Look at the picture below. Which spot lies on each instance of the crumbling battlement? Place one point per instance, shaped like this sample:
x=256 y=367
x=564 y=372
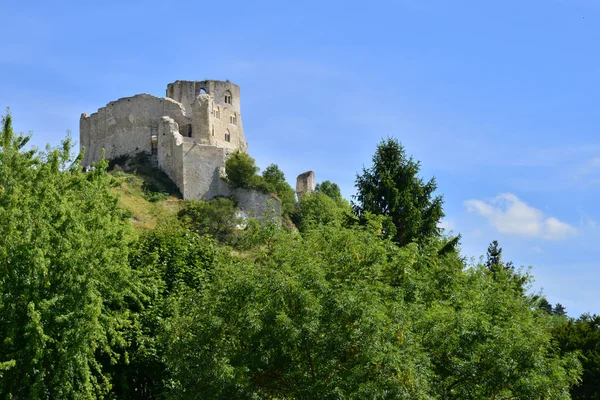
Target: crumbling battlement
x=190 y=133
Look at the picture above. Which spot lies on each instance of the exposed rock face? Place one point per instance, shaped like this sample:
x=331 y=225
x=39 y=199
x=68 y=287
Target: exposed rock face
x=305 y=183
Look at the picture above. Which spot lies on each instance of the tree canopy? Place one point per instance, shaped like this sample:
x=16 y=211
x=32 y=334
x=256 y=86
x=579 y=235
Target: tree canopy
x=393 y=188
x=92 y=308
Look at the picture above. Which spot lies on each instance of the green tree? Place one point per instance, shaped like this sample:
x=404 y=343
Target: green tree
x=316 y=209
x=545 y=306
x=583 y=336
x=330 y=189
x=65 y=286
x=170 y=258
x=392 y=187
x=241 y=170
x=559 y=310
x=494 y=257
x=275 y=182
x=309 y=317
x=217 y=217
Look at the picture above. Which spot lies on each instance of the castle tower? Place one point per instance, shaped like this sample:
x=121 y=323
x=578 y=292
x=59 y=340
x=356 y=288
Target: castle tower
x=215 y=107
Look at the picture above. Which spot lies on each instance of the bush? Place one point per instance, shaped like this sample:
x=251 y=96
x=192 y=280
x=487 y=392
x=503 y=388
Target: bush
x=241 y=171
x=217 y=217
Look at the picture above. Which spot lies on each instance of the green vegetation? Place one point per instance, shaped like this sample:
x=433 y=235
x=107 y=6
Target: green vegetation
x=392 y=187
x=242 y=172
x=362 y=303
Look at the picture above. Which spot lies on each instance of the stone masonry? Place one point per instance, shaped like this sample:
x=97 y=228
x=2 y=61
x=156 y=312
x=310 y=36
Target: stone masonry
x=190 y=133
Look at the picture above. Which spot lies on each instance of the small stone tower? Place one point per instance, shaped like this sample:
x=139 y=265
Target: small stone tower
x=305 y=183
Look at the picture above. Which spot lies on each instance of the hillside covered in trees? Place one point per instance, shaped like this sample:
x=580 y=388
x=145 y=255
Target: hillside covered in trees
x=109 y=288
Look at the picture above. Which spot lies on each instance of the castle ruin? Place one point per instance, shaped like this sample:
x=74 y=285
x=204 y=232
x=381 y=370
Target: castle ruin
x=189 y=134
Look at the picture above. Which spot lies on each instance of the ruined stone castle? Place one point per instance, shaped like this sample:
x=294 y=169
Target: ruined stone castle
x=189 y=134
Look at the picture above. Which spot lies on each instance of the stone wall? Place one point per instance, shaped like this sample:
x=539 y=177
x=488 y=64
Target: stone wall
x=170 y=151
x=126 y=126
x=256 y=204
x=305 y=183
x=219 y=124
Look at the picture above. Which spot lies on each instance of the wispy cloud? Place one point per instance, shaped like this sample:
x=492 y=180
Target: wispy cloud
x=508 y=214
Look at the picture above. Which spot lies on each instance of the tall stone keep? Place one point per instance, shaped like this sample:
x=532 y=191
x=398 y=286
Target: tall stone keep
x=305 y=183
x=189 y=134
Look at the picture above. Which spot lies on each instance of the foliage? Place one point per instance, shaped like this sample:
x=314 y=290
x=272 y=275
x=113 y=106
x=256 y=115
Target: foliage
x=217 y=217
x=485 y=340
x=241 y=171
x=494 y=264
x=316 y=209
x=167 y=258
x=330 y=189
x=274 y=180
x=88 y=309
x=392 y=187
x=340 y=313
x=307 y=319
x=583 y=335
x=67 y=296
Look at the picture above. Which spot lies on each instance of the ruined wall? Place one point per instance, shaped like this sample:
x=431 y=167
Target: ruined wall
x=305 y=183
x=202 y=165
x=126 y=126
x=256 y=204
x=225 y=120
x=201 y=124
x=170 y=150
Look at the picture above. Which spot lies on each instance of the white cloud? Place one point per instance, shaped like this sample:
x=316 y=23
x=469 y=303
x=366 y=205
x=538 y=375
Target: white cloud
x=512 y=216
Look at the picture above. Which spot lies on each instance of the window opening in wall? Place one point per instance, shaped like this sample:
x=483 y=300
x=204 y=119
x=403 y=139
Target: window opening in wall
x=227 y=97
x=213 y=130
x=218 y=112
x=202 y=91
x=189 y=130
x=233 y=119
x=227 y=136
x=154 y=142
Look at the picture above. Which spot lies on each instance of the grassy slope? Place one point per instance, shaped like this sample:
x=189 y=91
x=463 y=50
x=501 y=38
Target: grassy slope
x=146 y=192
x=144 y=214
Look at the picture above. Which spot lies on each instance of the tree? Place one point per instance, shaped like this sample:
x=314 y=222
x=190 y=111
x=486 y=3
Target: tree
x=217 y=217
x=545 y=306
x=305 y=320
x=316 y=209
x=560 y=310
x=329 y=189
x=494 y=257
x=275 y=182
x=392 y=187
x=65 y=286
x=241 y=170
x=583 y=336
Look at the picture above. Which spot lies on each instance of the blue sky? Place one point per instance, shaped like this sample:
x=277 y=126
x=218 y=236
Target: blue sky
x=498 y=99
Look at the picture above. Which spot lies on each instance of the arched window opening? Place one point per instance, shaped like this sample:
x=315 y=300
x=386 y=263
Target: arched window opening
x=154 y=143
x=227 y=136
x=228 y=97
x=233 y=119
x=202 y=91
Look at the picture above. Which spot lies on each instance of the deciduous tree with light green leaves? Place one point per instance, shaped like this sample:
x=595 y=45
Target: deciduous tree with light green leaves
x=65 y=286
